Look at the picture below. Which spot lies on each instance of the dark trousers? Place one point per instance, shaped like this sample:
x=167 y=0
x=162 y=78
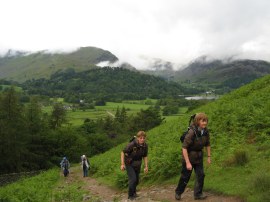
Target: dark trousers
x=85 y=172
x=65 y=172
x=185 y=176
x=133 y=179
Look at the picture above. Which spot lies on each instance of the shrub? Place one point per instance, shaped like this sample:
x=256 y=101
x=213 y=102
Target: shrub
x=122 y=180
x=239 y=158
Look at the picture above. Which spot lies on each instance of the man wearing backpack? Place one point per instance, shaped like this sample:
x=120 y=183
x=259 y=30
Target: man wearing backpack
x=85 y=165
x=131 y=160
x=194 y=141
x=65 y=166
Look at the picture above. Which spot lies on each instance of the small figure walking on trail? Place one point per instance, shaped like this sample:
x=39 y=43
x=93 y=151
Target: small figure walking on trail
x=65 y=166
x=195 y=140
x=85 y=165
x=131 y=160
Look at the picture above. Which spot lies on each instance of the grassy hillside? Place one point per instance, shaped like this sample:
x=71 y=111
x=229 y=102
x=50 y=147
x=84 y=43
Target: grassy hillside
x=239 y=126
x=42 y=64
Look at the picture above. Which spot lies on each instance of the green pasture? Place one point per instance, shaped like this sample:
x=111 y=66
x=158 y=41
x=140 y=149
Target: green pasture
x=77 y=117
x=17 y=88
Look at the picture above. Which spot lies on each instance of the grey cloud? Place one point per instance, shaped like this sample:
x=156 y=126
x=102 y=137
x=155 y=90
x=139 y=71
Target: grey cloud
x=173 y=30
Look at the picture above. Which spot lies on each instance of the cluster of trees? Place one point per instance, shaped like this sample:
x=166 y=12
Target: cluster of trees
x=104 y=134
x=171 y=105
x=109 y=84
x=31 y=139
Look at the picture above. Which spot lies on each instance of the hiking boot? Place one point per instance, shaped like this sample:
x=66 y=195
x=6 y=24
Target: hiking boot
x=177 y=196
x=131 y=198
x=200 y=197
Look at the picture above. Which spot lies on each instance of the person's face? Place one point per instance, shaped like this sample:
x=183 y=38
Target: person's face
x=141 y=139
x=203 y=124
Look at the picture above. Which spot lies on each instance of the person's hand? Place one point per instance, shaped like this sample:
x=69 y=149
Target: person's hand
x=189 y=166
x=146 y=170
x=209 y=160
x=123 y=167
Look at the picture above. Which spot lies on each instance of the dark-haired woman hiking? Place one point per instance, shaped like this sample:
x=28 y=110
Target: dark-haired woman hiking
x=192 y=156
x=131 y=160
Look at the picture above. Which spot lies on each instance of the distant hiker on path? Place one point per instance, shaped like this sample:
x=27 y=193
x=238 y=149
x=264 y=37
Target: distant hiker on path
x=65 y=166
x=131 y=160
x=192 y=156
x=85 y=165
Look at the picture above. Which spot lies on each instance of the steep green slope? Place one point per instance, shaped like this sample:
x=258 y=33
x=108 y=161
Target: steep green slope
x=239 y=126
x=46 y=187
x=42 y=64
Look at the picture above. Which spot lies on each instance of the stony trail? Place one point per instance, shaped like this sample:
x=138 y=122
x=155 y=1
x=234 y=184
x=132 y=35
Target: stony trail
x=103 y=193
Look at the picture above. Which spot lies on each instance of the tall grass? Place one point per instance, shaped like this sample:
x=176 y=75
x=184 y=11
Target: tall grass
x=38 y=188
x=260 y=187
x=46 y=187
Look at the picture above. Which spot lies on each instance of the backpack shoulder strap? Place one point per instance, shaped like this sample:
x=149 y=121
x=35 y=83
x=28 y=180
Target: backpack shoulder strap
x=194 y=131
x=191 y=119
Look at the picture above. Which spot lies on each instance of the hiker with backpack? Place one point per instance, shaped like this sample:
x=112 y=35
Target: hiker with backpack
x=65 y=166
x=193 y=142
x=85 y=165
x=131 y=160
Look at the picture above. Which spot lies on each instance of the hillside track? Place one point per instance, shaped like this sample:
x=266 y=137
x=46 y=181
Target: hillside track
x=102 y=193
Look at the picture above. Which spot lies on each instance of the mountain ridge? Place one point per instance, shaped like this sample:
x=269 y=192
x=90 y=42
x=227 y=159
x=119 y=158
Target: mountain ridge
x=41 y=64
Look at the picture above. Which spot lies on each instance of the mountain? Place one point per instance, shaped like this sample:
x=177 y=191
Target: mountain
x=231 y=74
x=161 y=68
x=104 y=83
x=21 y=66
x=240 y=141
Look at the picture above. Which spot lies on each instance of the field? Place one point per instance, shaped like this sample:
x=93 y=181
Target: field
x=77 y=117
x=3 y=87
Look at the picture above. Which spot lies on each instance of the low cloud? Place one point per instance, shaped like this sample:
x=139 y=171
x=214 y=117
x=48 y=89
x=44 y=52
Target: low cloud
x=172 y=30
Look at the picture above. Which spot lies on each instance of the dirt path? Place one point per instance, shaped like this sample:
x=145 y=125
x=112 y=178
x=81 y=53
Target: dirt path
x=111 y=114
x=103 y=193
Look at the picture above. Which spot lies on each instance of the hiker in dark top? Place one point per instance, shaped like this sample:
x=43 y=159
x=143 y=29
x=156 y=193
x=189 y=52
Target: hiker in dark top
x=131 y=160
x=192 y=156
x=85 y=165
x=65 y=166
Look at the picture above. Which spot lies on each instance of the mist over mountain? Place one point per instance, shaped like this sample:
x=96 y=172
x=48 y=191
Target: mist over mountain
x=161 y=68
x=203 y=71
x=231 y=74
x=21 y=66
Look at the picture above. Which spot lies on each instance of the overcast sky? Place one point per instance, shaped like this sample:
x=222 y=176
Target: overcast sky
x=174 y=30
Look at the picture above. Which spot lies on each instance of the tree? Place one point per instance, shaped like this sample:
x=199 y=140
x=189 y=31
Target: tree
x=12 y=131
x=108 y=124
x=34 y=116
x=146 y=119
x=100 y=102
x=123 y=115
x=89 y=126
x=170 y=108
x=117 y=115
x=58 y=116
